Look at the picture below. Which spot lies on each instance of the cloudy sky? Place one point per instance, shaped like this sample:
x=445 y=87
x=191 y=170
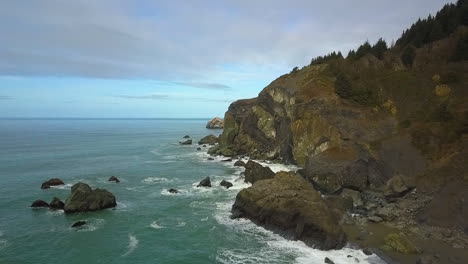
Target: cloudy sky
x=125 y=58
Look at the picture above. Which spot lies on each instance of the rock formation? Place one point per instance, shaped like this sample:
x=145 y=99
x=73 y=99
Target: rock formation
x=84 y=199
x=289 y=204
x=205 y=182
x=225 y=184
x=114 y=179
x=210 y=140
x=52 y=182
x=56 y=204
x=215 y=123
x=186 y=142
x=39 y=203
x=255 y=172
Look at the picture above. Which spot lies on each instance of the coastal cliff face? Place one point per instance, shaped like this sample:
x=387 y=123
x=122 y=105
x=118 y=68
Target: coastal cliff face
x=409 y=121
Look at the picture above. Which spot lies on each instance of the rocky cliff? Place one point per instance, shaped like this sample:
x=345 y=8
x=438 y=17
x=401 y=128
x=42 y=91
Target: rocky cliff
x=394 y=119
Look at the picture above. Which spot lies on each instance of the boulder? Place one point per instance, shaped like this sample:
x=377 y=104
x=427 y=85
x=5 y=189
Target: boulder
x=239 y=163
x=79 y=223
x=354 y=195
x=328 y=261
x=56 y=204
x=186 y=136
x=289 y=204
x=84 y=199
x=226 y=184
x=114 y=179
x=39 y=203
x=173 y=191
x=52 y=182
x=374 y=219
x=256 y=172
x=198 y=149
x=205 y=182
x=186 y=142
x=210 y=158
x=210 y=140
x=226 y=160
x=215 y=123
x=396 y=187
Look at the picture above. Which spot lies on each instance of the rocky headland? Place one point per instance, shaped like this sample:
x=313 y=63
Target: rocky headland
x=383 y=146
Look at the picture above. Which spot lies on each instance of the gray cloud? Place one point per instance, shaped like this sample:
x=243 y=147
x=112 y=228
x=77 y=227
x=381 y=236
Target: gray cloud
x=216 y=86
x=5 y=97
x=188 y=40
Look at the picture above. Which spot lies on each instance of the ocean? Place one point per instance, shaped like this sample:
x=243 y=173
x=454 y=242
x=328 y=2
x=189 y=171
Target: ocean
x=149 y=225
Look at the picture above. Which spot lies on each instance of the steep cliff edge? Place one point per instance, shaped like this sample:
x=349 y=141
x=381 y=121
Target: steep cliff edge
x=356 y=124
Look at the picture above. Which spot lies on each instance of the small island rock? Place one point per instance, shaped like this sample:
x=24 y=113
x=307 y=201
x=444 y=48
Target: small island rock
x=114 y=179
x=173 y=191
x=187 y=142
x=186 y=136
x=226 y=184
x=84 y=199
x=52 y=182
x=56 y=204
x=79 y=223
x=39 y=203
x=205 y=182
x=215 y=123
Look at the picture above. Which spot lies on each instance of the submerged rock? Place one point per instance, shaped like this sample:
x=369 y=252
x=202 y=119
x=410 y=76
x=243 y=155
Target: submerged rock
x=186 y=142
x=52 y=182
x=39 y=203
x=210 y=140
x=226 y=160
x=84 y=199
x=205 y=182
x=255 y=172
x=215 y=123
x=79 y=223
x=239 y=163
x=226 y=184
x=186 y=136
x=198 y=149
x=173 y=191
x=289 y=203
x=56 y=204
x=328 y=261
x=114 y=179
x=210 y=158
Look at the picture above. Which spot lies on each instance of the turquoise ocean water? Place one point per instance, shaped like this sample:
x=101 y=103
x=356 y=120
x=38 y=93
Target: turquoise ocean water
x=149 y=225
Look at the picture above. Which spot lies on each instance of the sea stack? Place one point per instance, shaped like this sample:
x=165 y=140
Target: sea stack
x=84 y=199
x=215 y=123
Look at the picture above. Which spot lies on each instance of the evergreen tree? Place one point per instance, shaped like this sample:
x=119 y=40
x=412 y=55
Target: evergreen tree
x=343 y=86
x=408 y=56
x=351 y=55
x=363 y=50
x=379 y=49
x=461 y=51
x=436 y=32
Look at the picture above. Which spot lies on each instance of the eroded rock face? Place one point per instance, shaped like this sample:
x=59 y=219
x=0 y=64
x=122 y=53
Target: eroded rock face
x=52 y=182
x=84 y=199
x=255 y=172
x=215 y=123
x=289 y=203
x=210 y=140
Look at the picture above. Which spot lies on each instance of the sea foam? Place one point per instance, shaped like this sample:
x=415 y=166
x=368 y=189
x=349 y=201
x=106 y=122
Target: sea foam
x=132 y=244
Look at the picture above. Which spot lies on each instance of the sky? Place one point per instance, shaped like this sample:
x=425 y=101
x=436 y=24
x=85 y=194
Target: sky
x=170 y=58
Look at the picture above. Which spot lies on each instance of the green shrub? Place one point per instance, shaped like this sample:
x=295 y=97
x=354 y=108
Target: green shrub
x=408 y=55
x=343 y=86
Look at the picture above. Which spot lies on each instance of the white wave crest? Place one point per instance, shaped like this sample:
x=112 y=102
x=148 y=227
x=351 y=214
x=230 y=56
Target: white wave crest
x=153 y=180
x=132 y=244
x=155 y=225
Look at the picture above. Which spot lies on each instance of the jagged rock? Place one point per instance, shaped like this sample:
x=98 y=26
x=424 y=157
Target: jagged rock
x=374 y=219
x=213 y=150
x=79 y=223
x=288 y=203
x=173 y=191
x=354 y=195
x=84 y=199
x=198 y=148
x=399 y=243
x=396 y=187
x=328 y=261
x=215 y=123
x=114 y=179
x=39 y=203
x=239 y=163
x=226 y=184
x=56 y=204
x=52 y=182
x=255 y=172
x=209 y=140
x=205 y=182
x=186 y=136
x=186 y=142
